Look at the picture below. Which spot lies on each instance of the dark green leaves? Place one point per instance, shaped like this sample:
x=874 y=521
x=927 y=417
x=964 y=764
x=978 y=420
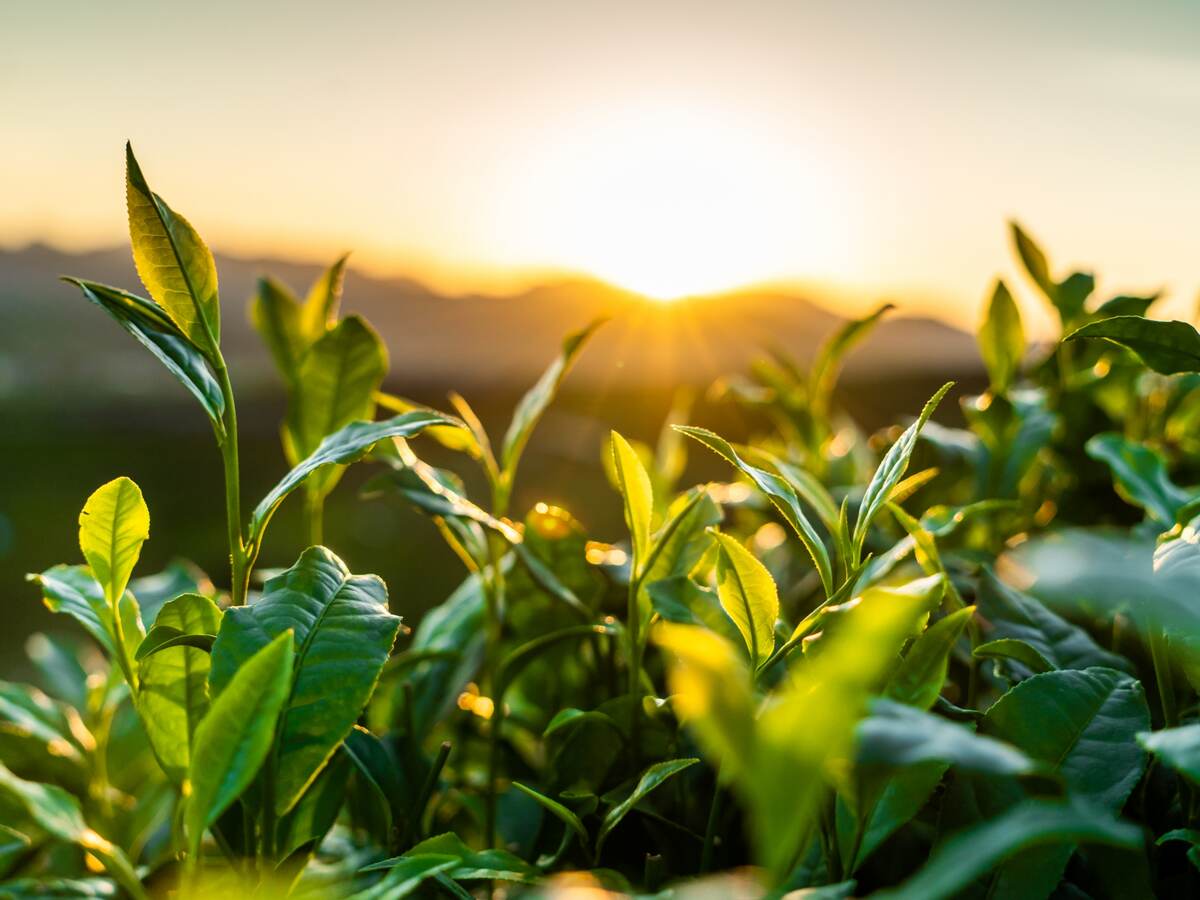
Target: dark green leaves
x=341 y=447
x=919 y=678
x=1140 y=475
x=173 y=262
x=1069 y=296
x=1083 y=722
x=651 y=779
x=1179 y=748
x=344 y=634
x=235 y=736
x=155 y=331
x=1002 y=339
x=1166 y=347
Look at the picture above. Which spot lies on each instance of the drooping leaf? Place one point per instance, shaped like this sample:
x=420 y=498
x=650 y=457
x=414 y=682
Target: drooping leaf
x=891 y=469
x=748 y=595
x=233 y=739
x=173 y=695
x=1002 y=339
x=1166 y=347
x=781 y=494
x=155 y=331
x=113 y=526
x=638 y=497
x=919 y=678
x=342 y=447
x=344 y=635
x=651 y=779
x=970 y=854
x=1082 y=722
x=1140 y=475
x=1179 y=748
x=529 y=411
x=173 y=262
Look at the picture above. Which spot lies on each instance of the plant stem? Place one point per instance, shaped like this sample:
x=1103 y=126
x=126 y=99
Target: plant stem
x=493 y=610
x=239 y=567
x=1161 y=658
x=314 y=515
x=710 y=830
x=633 y=627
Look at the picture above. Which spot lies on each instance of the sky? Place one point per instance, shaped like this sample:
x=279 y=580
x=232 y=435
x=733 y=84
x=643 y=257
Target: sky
x=857 y=150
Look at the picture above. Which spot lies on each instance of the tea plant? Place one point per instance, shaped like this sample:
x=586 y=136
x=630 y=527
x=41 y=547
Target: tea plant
x=936 y=661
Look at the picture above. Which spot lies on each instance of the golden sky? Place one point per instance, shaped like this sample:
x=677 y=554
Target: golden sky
x=866 y=150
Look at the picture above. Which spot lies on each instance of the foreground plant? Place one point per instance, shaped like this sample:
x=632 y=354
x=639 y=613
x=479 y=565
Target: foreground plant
x=901 y=665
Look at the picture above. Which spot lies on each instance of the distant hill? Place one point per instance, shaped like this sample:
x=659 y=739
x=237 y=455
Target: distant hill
x=53 y=342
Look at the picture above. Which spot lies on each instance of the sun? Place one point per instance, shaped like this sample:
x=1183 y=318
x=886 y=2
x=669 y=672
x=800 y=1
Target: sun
x=670 y=202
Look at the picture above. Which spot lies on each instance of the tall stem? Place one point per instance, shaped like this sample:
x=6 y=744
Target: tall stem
x=314 y=516
x=1162 y=675
x=239 y=569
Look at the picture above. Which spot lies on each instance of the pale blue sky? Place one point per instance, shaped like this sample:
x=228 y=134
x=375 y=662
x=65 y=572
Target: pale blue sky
x=872 y=148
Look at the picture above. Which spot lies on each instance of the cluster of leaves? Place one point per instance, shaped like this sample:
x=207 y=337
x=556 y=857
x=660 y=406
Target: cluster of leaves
x=926 y=663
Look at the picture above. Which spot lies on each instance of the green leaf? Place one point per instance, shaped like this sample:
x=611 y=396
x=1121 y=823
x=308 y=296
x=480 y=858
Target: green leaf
x=1034 y=260
x=472 y=865
x=891 y=469
x=58 y=814
x=681 y=542
x=406 y=874
x=73 y=591
x=275 y=315
x=782 y=496
x=1125 y=305
x=651 y=779
x=897 y=798
x=173 y=262
x=895 y=735
x=341 y=447
x=529 y=411
x=1002 y=339
x=336 y=384
x=155 y=331
x=552 y=806
x=1068 y=296
x=1016 y=650
x=1012 y=614
x=1140 y=475
x=112 y=528
x=638 y=497
x=1082 y=722
x=828 y=362
x=344 y=635
x=233 y=740
x=1179 y=748
x=164 y=637
x=173 y=694
x=748 y=595
x=684 y=602
x=320 y=309
x=919 y=678
x=1166 y=347
x=310 y=819
x=971 y=853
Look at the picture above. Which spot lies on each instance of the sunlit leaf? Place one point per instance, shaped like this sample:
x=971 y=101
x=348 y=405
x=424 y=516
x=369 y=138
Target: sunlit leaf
x=113 y=526
x=638 y=497
x=748 y=595
x=1002 y=339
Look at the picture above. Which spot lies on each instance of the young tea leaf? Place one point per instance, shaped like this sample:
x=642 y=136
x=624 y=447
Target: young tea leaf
x=651 y=779
x=919 y=678
x=638 y=497
x=1002 y=339
x=112 y=528
x=748 y=595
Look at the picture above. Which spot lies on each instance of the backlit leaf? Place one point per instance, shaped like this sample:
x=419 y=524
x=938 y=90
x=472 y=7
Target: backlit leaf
x=1002 y=339
x=748 y=595
x=113 y=526
x=1166 y=347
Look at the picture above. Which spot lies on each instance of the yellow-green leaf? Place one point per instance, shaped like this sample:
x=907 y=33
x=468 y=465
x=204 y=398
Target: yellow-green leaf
x=748 y=595
x=112 y=528
x=172 y=260
x=634 y=483
x=1002 y=339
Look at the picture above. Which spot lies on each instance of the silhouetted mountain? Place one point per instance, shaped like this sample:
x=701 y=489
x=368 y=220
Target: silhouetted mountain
x=53 y=342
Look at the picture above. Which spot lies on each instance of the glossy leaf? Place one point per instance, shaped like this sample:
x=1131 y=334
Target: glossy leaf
x=1179 y=748
x=651 y=779
x=173 y=694
x=919 y=678
x=891 y=469
x=1140 y=474
x=1002 y=339
x=173 y=262
x=233 y=740
x=341 y=447
x=155 y=331
x=969 y=854
x=1083 y=722
x=748 y=595
x=112 y=528
x=344 y=635
x=1166 y=347
x=782 y=496
x=529 y=411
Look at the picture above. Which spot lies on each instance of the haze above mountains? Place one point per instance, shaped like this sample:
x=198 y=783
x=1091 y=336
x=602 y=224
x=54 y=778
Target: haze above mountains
x=53 y=342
